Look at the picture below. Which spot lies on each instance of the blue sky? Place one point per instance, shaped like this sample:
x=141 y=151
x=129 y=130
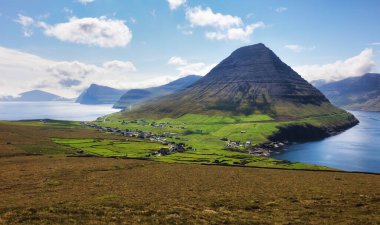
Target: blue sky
x=63 y=46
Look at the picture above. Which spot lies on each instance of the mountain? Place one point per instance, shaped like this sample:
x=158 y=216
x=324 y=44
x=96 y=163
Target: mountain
x=97 y=94
x=137 y=96
x=355 y=93
x=318 y=83
x=35 y=96
x=251 y=80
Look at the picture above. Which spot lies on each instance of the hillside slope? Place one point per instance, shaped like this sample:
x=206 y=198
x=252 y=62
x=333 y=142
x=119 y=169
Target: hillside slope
x=355 y=93
x=252 y=80
x=137 y=96
x=97 y=94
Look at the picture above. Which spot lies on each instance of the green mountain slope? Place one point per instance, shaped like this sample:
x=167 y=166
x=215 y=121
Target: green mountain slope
x=252 y=80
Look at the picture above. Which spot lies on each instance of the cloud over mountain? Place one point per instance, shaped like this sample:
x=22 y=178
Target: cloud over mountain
x=24 y=71
x=221 y=27
x=354 y=66
x=186 y=68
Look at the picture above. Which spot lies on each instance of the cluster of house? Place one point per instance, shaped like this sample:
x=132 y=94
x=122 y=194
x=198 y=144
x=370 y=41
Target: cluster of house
x=263 y=150
x=267 y=149
x=173 y=148
x=236 y=145
x=161 y=138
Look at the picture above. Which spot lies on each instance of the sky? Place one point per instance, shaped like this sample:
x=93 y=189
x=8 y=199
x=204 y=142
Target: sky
x=64 y=46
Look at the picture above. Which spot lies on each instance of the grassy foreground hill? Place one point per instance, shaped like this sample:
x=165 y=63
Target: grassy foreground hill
x=40 y=184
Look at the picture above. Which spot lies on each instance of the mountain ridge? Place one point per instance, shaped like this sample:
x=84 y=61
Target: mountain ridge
x=35 y=95
x=135 y=97
x=355 y=93
x=99 y=94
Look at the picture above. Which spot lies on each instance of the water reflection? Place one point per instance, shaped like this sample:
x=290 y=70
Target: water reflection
x=356 y=149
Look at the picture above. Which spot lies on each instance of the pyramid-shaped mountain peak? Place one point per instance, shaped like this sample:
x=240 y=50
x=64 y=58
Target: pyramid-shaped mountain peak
x=251 y=80
x=253 y=63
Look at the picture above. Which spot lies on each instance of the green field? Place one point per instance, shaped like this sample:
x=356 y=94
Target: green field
x=133 y=148
x=201 y=132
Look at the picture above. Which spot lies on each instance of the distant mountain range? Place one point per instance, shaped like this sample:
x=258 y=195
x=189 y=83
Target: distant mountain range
x=97 y=94
x=355 y=93
x=35 y=96
x=137 y=96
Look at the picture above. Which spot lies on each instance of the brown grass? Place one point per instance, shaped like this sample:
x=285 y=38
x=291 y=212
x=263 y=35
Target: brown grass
x=18 y=139
x=57 y=189
x=54 y=189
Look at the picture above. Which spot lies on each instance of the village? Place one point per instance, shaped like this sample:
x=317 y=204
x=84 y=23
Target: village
x=265 y=150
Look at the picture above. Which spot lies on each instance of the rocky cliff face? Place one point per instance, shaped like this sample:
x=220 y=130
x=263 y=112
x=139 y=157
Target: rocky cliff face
x=251 y=80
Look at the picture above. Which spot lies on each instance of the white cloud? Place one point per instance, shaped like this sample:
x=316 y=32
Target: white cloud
x=354 y=66
x=299 y=48
x=102 y=32
x=195 y=69
x=22 y=71
x=225 y=27
x=198 y=16
x=85 y=2
x=125 y=66
x=178 y=61
x=281 y=9
x=375 y=43
x=235 y=33
x=26 y=24
x=174 y=4
x=186 y=68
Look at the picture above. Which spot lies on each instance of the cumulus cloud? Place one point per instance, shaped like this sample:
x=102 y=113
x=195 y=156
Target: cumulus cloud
x=186 y=68
x=85 y=2
x=354 y=66
x=102 y=31
x=225 y=27
x=195 y=69
x=178 y=61
x=125 y=66
x=298 y=48
x=281 y=9
x=174 y=4
x=23 y=72
x=240 y=33
x=198 y=16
